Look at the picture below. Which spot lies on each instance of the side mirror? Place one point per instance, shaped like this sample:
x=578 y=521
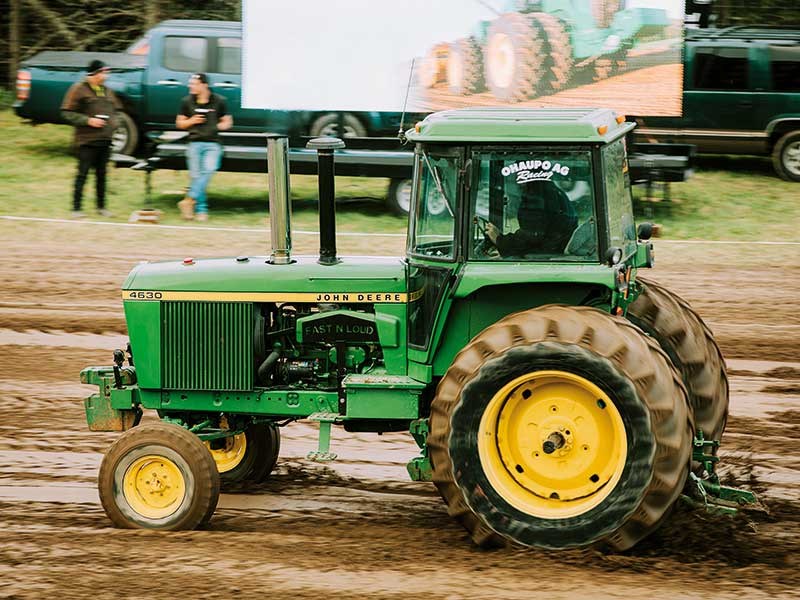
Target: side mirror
x=644 y=231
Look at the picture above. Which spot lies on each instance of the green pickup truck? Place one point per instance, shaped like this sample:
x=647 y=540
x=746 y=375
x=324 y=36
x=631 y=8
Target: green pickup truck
x=741 y=96
x=151 y=77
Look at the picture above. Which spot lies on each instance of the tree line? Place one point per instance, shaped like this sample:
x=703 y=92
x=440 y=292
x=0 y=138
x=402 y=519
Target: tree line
x=31 y=26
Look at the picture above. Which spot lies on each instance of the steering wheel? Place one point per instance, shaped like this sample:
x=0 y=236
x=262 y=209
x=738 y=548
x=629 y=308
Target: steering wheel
x=486 y=246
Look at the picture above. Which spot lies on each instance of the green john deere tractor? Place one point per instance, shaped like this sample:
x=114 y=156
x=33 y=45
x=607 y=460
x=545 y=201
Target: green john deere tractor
x=537 y=47
x=558 y=399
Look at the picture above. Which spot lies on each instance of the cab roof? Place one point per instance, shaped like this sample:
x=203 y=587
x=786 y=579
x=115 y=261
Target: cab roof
x=492 y=124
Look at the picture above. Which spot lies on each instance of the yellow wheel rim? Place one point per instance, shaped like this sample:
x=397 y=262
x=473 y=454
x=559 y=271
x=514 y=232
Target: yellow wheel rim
x=231 y=454
x=552 y=444
x=154 y=486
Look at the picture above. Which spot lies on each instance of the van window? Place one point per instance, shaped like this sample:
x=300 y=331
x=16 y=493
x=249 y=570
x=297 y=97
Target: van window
x=785 y=68
x=720 y=69
x=229 y=55
x=186 y=54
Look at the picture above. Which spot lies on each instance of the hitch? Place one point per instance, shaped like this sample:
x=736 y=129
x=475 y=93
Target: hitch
x=707 y=491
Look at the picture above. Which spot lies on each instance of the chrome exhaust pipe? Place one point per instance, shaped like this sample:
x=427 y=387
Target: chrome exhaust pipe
x=280 y=202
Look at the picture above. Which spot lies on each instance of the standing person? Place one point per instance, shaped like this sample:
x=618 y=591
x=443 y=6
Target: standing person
x=91 y=108
x=203 y=114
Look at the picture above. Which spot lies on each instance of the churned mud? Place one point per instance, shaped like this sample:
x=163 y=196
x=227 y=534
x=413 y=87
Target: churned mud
x=358 y=528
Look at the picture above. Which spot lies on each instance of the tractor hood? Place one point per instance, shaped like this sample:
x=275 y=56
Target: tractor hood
x=253 y=279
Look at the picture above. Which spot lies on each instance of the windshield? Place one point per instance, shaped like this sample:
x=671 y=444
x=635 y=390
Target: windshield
x=435 y=206
x=533 y=204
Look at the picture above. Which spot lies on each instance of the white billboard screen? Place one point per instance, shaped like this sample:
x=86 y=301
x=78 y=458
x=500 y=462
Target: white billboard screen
x=357 y=55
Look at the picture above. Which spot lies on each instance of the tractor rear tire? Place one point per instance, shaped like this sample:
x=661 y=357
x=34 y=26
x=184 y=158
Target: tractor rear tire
x=158 y=476
x=513 y=66
x=558 y=63
x=604 y=11
x=249 y=456
x=574 y=376
x=689 y=343
x=465 y=67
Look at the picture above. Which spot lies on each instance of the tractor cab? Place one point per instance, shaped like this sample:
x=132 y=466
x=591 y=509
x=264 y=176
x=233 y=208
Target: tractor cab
x=521 y=186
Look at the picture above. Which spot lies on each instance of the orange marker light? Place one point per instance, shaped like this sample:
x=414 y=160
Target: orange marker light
x=417 y=127
x=602 y=129
x=621 y=119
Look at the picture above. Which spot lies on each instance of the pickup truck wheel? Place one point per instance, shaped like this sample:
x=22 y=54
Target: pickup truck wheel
x=398 y=198
x=786 y=156
x=126 y=136
x=328 y=126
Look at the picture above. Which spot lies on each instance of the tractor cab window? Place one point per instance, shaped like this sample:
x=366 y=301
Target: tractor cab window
x=533 y=204
x=621 y=227
x=434 y=208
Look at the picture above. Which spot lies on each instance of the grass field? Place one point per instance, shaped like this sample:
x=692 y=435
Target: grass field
x=727 y=198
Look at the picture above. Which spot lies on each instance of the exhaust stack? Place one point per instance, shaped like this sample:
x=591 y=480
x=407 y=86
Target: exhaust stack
x=280 y=207
x=327 y=197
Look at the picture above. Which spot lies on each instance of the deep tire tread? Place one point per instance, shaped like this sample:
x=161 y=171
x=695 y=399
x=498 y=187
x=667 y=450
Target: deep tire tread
x=613 y=338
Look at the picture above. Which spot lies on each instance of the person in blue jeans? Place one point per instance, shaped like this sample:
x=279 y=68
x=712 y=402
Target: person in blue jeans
x=203 y=114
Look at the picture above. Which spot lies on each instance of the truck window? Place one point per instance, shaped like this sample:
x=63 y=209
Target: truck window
x=785 y=63
x=229 y=55
x=187 y=54
x=723 y=69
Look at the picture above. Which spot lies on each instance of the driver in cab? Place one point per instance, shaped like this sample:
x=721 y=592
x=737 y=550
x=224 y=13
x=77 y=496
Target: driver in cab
x=546 y=221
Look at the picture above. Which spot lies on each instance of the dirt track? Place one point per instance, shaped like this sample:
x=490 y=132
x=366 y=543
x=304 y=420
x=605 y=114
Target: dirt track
x=359 y=528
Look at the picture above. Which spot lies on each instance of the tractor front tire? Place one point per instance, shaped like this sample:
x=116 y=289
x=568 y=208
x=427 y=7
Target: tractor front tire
x=560 y=427
x=248 y=456
x=158 y=476
x=689 y=343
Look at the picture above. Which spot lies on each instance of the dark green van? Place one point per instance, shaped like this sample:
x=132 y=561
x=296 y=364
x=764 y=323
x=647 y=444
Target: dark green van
x=741 y=96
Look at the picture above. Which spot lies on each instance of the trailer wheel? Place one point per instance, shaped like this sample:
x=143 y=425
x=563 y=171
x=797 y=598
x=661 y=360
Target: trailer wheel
x=125 y=137
x=465 y=67
x=158 y=476
x=786 y=156
x=513 y=66
x=328 y=126
x=398 y=198
x=248 y=456
x=560 y=427
x=689 y=343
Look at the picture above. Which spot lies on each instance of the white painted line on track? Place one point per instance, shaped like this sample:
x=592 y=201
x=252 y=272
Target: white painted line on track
x=191 y=227
x=338 y=233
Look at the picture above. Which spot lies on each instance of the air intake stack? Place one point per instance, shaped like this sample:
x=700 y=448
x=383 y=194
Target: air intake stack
x=327 y=197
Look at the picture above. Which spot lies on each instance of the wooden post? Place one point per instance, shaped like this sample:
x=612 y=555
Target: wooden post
x=13 y=43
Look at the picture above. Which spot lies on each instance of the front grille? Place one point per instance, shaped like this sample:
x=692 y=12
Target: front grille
x=207 y=345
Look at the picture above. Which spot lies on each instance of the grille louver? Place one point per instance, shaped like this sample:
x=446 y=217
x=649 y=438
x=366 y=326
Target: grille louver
x=207 y=345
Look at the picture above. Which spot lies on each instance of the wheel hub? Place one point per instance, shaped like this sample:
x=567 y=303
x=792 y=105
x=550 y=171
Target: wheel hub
x=154 y=486
x=552 y=443
x=230 y=454
x=500 y=60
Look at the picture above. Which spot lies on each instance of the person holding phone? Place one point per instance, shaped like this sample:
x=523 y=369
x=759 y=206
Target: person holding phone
x=203 y=114
x=91 y=108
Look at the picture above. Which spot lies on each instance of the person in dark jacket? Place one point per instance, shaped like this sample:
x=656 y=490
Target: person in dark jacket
x=546 y=221
x=203 y=114
x=91 y=108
